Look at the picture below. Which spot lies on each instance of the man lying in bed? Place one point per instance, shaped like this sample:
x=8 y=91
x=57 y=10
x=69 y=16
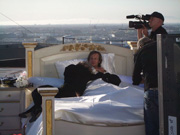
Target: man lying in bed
x=76 y=78
x=95 y=60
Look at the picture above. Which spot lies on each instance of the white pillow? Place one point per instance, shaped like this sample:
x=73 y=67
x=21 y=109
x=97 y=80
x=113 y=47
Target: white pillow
x=61 y=65
x=39 y=81
x=107 y=64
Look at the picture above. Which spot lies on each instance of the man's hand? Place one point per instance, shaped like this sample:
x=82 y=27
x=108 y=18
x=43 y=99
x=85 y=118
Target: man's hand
x=100 y=69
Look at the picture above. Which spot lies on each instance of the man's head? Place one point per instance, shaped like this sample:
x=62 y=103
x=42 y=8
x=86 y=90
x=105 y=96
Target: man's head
x=156 y=20
x=95 y=58
x=143 y=41
x=158 y=15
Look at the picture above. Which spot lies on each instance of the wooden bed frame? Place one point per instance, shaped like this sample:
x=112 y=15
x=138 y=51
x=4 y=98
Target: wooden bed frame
x=41 y=63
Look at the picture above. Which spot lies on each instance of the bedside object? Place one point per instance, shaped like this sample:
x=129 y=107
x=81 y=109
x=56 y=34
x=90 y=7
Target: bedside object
x=12 y=102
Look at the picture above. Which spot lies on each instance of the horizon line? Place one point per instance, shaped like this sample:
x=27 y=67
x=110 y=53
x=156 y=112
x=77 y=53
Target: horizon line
x=78 y=24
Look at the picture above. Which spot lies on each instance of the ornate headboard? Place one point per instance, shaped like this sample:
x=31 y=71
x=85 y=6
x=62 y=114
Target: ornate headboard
x=42 y=62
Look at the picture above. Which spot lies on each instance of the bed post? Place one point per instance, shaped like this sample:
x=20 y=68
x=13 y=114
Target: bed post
x=29 y=48
x=48 y=109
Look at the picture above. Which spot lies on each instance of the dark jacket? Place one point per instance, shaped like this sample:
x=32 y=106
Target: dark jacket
x=76 y=78
x=146 y=62
x=160 y=30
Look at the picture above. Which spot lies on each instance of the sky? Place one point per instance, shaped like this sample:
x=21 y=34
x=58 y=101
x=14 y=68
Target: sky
x=39 y=12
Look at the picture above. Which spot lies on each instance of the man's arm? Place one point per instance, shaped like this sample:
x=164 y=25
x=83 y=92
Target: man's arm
x=141 y=32
x=137 y=78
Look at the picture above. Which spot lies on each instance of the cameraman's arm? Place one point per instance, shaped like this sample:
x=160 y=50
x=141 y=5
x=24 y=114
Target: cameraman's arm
x=141 y=32
x=145 y=31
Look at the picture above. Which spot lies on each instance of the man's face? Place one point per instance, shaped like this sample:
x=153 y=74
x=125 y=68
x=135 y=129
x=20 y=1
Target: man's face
x=154 y=21
x=94 y=60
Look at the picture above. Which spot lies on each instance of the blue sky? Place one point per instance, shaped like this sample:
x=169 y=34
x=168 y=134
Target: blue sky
x=83 y=11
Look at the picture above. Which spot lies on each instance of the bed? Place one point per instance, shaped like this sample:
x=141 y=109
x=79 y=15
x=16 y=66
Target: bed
x=103 y=109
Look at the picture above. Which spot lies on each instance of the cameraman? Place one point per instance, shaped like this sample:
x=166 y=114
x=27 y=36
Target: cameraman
x=155 y=22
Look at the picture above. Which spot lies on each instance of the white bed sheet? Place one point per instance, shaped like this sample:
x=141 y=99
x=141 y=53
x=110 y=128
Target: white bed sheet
x=102 y=104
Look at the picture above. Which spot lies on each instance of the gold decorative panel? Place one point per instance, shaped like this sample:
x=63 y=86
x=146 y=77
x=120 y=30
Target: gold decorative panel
x=29 y=64
x=49 y=117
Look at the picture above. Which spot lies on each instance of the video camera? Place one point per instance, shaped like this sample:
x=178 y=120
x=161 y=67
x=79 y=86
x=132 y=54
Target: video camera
x=143 y=20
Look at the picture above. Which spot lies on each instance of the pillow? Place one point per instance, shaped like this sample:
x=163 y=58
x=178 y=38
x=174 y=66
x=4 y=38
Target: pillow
x=107 y=64
x=61 y=65
x=39 y=81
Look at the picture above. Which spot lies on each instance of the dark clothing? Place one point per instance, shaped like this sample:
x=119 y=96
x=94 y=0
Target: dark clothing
x=146 y=62
x=111 y=78
x=76 y=78
x=135 y=55
x=160 y=30
x=107 y=77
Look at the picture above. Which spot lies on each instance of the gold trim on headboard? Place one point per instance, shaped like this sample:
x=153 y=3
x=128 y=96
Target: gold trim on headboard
x=83 y=47
x=29 y=63
x=49 y=117
x=30 y=44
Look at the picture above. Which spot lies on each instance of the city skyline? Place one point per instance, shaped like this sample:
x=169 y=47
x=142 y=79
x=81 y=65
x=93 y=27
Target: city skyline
x=25 y=12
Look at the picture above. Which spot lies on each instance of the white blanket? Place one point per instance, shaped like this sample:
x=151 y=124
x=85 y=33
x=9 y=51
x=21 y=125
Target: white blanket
x=102 y=104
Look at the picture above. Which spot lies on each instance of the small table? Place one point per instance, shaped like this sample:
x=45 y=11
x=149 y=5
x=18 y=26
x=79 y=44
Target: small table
x=12 y=102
